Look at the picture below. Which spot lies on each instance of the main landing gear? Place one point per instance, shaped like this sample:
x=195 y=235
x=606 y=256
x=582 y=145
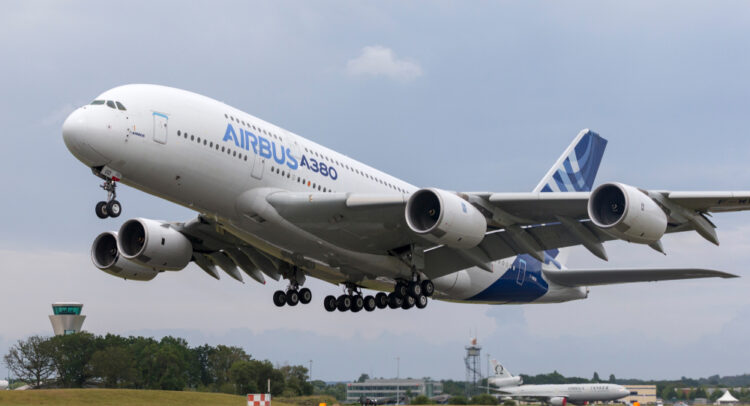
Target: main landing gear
x=405 y=295
x=110 y=208
x=292 y=296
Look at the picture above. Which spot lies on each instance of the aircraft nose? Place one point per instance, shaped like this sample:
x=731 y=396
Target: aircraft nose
x=74 y=129
x=78 y=137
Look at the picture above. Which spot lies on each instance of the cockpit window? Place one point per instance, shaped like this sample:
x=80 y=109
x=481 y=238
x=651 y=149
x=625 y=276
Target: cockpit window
x=120 y=106
x=111 y=104
x=97 y=102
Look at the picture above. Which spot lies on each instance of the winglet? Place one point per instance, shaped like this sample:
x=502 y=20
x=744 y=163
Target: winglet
x=576 y=169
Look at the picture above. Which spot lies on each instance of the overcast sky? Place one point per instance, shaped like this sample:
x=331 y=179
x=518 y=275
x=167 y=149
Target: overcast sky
x=457 y=95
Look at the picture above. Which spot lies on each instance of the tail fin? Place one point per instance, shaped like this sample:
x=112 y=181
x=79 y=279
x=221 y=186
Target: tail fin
x=500 y=371
x=576 y=169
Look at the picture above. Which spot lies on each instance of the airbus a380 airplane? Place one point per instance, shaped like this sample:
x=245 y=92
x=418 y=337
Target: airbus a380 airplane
x=511 y=386
x=273 y=204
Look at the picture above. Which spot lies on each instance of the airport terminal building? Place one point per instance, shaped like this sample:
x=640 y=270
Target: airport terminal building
x=643 y=394
x=384 y=389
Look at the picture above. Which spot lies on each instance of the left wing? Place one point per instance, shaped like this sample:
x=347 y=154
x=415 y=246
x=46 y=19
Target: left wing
x=593 y=277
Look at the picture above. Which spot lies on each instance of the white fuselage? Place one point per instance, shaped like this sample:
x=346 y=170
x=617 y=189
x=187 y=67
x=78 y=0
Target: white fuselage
x=207 y=156
x=576 y=393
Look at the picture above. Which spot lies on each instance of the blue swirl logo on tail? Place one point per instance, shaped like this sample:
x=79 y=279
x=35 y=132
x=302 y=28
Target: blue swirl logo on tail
x=576 y=170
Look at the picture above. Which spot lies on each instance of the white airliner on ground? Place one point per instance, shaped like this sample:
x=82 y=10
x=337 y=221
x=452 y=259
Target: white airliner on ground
x=274 y=204
x=511 y=386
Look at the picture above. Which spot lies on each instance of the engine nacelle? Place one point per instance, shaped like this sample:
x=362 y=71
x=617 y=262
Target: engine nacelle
x=106 y=256
x=627 y=213
x=558 y=401
x=507 y=381
x=445 y=218
x=155 y=244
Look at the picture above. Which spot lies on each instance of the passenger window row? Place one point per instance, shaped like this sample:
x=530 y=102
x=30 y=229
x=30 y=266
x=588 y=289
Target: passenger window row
x=258 y=129
x=299 y=179
x=354 y=170
x=210 y=144
x=318 y=155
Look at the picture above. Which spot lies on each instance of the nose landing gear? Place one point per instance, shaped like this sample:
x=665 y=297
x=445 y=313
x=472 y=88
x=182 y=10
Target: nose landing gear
x=111 y=207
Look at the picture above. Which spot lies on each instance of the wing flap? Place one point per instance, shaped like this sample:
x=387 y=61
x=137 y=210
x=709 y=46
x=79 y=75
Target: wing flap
x=712 y=201
x=372 y=223
x=593 y=277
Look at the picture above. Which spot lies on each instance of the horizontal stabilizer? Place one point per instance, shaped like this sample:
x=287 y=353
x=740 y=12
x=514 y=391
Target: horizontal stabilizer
x=593 y=277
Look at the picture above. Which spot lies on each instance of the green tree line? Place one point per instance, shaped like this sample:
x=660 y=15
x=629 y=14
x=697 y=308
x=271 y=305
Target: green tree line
x=85 y=360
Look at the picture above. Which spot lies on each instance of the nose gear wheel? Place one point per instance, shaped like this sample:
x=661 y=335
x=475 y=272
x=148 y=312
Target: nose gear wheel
x=111 y=207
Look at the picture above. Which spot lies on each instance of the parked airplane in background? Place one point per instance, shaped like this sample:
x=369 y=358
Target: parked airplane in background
x=555 y=395
x=274 y=204
x=3 y=384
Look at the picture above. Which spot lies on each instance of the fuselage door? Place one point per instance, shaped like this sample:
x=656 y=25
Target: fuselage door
x=258 y=163
x=160 y=128
x=521 y=271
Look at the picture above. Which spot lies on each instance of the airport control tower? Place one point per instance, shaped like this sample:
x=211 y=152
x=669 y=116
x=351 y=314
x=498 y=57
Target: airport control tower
x=473 y=367
x=66 y=318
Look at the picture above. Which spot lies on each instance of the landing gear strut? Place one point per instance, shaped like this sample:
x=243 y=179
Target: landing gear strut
x=293 y=294
x=408 y=294
x=405 y=295
x=353 y=300
x=111 y=207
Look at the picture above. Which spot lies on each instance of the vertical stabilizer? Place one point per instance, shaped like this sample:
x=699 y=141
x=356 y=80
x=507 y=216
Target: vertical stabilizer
x=576 y=169
x=499 y=370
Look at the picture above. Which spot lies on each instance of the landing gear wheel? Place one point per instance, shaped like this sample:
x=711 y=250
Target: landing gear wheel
x=292 y=297
x=370 y=304
x=401 y=289
x=409 y=302
x=101 y=210
x=415 y=289
x=381 y=300
x=305 y=295
x=279 y=298
x=421 y=301
x=394 y=302
x=114 y=208
x=329 y=303
x=428 y=288
x=344 y=303
x=357 y=303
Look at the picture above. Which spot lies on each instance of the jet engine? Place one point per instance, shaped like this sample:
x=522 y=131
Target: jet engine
x=445 y=218
x=155 y=244
x=627 y=213
x=106 y=256
x=558 y=401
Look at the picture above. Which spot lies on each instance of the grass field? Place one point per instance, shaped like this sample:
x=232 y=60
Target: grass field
x=119 y=397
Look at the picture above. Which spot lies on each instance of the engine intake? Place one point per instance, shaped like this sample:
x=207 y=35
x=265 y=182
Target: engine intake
x=155 y=244
x=627 y=213
x=445 y=218
x=106 y=257
x=558 y=401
